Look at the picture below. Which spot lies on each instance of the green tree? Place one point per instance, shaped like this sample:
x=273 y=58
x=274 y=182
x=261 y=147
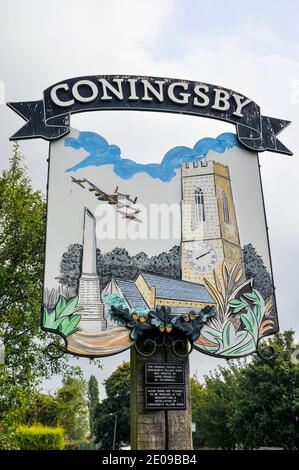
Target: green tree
x=250 y=404
x=117 y=404
x=214 y=408
x=93 y=402
x=66 y=408
x=198 y=397
x=22 y=234
x=43 y=409
x=73 y=409
x=266 y=411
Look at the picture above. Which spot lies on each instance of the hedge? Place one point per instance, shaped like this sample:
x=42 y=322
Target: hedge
x=38 y=437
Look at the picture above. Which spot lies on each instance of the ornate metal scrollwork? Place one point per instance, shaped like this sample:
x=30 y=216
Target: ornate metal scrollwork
x=55 y=350
x=266 y=352
x=179 y=346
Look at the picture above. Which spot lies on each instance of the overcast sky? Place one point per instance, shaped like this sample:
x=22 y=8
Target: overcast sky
x=251 y=47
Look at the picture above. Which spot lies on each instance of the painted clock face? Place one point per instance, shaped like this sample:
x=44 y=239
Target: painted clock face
x=202 y=257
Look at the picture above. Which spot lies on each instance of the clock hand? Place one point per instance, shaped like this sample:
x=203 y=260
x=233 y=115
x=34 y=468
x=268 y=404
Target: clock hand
x=200 y=256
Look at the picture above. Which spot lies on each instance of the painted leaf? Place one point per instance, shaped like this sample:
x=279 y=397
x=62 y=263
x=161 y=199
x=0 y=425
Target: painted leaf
x=245 y=344
x=60 y=305
x=238 y=275
x=69 y=324
x=210 y=348
x=156 y=321
x=229 y=334
x=68 y=309
x=225 y=274
x=211 y=333
x=250 y=323
x=134 y=334
x=49 y=321
x=237 y=305
x=269 y=306
x=266 y=326
x=213 y=291
x=240 y=308
x=218 y=283
x=251 y=296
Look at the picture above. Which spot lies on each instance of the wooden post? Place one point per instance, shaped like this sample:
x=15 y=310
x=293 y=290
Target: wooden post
x=153 y=429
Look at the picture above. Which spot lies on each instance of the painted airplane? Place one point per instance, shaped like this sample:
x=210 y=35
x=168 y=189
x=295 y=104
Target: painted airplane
x=78 y=182
x=131 y=215
x=102 y=196
x=126 y=196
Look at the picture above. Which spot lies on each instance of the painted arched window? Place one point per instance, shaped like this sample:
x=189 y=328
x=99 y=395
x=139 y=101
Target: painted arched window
x=199 y=206
x=225 y=207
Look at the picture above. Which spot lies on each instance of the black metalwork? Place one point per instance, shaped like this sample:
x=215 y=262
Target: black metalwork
x=49 y=118
x=148 y=346
x=266 y=352
x=55 y=350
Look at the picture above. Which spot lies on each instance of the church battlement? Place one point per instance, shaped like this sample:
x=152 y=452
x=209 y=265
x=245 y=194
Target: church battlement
x=204 y=167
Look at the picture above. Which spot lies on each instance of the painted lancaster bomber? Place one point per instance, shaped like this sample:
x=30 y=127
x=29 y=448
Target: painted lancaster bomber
x=103 y=196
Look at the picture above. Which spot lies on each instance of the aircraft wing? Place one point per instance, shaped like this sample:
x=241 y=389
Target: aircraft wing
x=95 y=188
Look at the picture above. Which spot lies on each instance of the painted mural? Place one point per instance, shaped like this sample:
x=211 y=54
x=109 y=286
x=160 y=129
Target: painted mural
x=179 y=245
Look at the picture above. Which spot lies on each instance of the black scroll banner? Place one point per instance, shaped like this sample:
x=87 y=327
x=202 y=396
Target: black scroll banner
x=47 y=120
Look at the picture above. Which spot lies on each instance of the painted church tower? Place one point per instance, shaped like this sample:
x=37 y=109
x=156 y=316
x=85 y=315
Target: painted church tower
x=92 y=319
x=209 y=226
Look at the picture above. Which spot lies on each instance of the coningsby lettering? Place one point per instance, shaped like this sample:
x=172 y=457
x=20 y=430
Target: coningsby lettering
x=181 y=93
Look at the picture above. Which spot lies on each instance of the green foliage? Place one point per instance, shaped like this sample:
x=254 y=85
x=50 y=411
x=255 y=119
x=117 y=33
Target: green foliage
x=73 y=411
x=117 y=404
x=39 y=437
x=27 y=363
x=162 y=319
x=63 y=318
x=267 y=405
x=43 y=409
x=250 y=405
x=214 y=409
x=22 y=233
x=8 y=437
x=198 y=397
x=66 y=408
x=93 y=402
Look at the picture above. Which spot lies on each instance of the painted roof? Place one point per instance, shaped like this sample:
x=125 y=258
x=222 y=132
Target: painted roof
x=131 y=293
x=175 y=289
x=182 y=310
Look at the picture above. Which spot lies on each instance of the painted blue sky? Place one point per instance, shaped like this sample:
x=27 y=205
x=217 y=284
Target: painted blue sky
x=101 y=153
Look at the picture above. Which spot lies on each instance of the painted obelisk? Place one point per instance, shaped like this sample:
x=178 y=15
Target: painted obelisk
x=92 y=319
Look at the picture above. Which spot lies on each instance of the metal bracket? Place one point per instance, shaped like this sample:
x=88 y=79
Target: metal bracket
x=266 y=352
x=165 y=340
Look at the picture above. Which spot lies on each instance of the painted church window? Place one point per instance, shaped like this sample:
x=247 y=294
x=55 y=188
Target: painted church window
x=225 y=207
x=199 y=206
